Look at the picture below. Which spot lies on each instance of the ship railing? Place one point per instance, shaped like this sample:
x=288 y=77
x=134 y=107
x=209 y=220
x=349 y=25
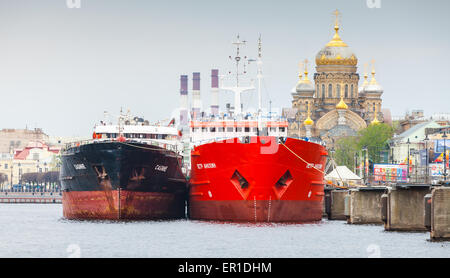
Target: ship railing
x=166 y=145
x=210 y=140
x=215 y=139
x=243 y=139
x=76 y=144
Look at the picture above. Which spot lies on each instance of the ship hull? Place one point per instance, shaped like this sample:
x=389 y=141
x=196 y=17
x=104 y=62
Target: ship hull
x=257 y=181
x=257 y=211
x=115 y=180
x=118 y=205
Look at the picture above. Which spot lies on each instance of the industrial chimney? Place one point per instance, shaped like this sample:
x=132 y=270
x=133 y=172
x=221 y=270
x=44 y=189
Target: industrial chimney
x=183 y=100
x=215 y=92
x=196 y=100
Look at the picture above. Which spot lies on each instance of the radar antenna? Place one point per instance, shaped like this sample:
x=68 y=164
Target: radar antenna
x=238 y=89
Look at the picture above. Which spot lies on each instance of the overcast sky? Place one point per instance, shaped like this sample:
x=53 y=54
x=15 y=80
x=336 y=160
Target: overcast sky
x=60 y=68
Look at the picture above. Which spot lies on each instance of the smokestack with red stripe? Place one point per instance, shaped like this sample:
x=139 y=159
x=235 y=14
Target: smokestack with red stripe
x=184 y=100
x=215 y=92
x=196 y=100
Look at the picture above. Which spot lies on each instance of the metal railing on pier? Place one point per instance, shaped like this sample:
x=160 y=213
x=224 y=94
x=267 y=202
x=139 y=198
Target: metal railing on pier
x=416 y=175
x=35 y=197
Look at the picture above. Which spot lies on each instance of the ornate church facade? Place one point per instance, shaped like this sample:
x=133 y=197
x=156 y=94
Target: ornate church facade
x=333 y=105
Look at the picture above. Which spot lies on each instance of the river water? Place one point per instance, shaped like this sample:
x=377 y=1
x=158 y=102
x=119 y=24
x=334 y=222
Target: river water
x=38 y=230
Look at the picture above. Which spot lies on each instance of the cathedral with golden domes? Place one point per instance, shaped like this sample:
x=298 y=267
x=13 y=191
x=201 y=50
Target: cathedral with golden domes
x=333 y=105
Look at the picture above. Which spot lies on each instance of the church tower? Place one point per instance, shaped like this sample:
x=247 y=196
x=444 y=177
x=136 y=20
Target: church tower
x=334 y=105
x=336 y=66
x=303 y=97
x=372 y=99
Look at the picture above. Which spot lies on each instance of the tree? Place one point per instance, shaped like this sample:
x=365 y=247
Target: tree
x=346 y=147
x=42 y=179
x=375 y=138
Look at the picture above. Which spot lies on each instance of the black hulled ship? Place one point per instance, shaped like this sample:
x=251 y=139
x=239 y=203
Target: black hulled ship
x=132 y=170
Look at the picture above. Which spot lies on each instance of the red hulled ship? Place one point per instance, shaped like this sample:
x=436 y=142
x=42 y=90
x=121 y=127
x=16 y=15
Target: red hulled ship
x=258 y=180
x=244 y=168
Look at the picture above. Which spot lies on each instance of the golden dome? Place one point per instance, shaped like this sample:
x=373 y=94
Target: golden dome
x=373 y=85
x=308 y=120
x=304 y=85
x=366 y=80
x=342 y=105
x=336 y=41
x=300 y=75
x=373 y=81
x=366 y=76
x=336 y=51
x=375 y=120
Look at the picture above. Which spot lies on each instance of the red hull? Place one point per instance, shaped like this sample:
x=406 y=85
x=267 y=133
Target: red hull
x=132 y=205
x=257 y=181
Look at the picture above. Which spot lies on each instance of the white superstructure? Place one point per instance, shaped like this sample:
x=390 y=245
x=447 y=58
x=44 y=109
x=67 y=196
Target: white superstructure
x=137 y=129
x=234 y=122
x=224 y=127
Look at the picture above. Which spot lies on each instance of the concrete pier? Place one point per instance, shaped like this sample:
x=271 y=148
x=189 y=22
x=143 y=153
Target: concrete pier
x=364 y=205
x=405 y=208
x=30 y=197
x=33 y=200
x=337 y=204
x=440 y=214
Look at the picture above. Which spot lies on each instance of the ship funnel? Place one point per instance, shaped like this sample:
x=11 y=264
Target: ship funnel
x=215 y=92
x=183 y=100
x=196 y=99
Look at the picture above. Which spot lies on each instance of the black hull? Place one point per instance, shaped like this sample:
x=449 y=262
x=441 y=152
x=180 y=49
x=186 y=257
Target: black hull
x=128 y=166
x=115 y=180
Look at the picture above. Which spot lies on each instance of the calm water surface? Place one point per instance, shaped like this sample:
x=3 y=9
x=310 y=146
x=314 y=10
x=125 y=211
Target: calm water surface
x=34 y=230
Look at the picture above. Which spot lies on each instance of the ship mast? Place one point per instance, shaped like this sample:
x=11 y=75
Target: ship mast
x=237 y=90
x=120 y=124
x=259 y=75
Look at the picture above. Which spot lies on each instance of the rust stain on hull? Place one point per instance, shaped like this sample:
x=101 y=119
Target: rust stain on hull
x=133 y=205
x=257 y=210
